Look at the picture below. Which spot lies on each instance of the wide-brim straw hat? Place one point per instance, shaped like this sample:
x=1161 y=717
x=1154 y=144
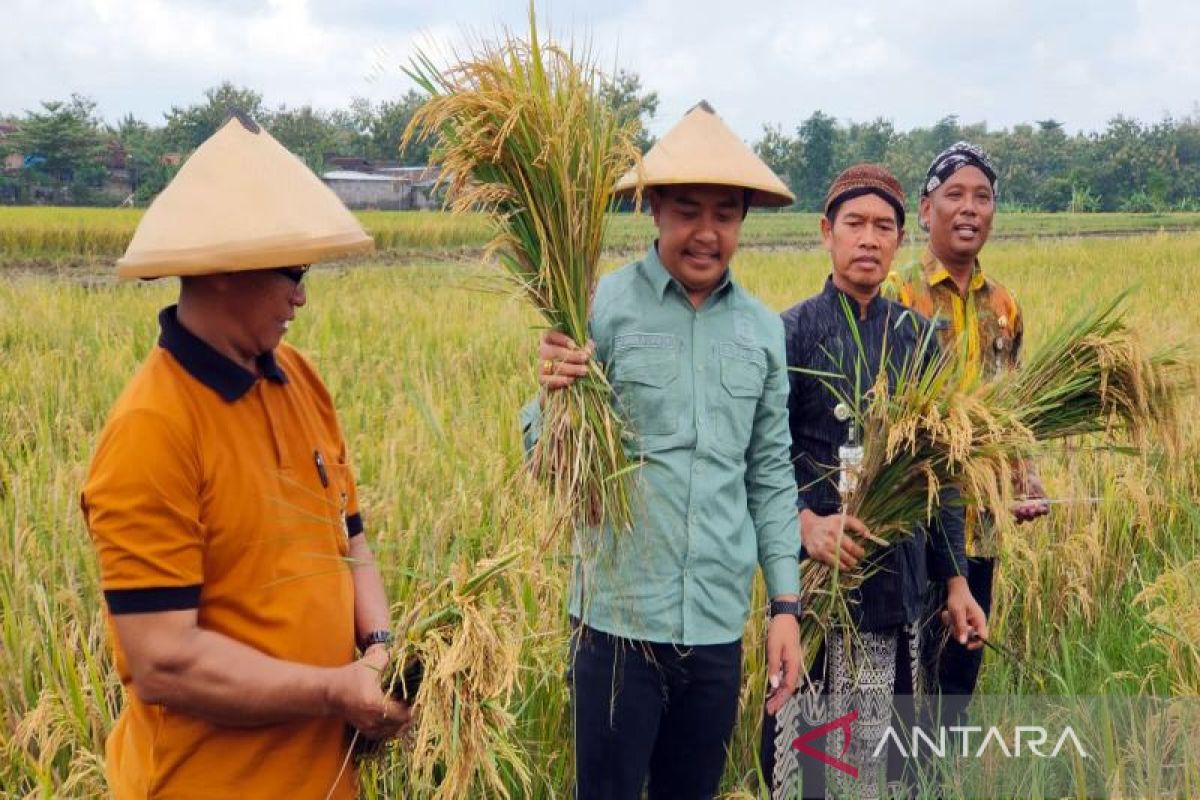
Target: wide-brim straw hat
x=241 y=202
x=701 y=149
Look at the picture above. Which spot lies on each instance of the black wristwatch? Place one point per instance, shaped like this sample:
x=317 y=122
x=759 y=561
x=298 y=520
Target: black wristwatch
x=381 y=636
x=785 y=607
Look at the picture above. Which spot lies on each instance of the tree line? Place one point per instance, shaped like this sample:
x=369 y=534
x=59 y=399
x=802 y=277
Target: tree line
x=65 y=145
x=1128 y=166
x=67 y=152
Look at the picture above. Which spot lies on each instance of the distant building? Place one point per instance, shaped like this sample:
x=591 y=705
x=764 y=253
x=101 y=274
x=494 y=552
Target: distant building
x=367 y=190
x=13 y=162
x=413 y=174
x=115 y=156
x=362 y=184
x=350 y=163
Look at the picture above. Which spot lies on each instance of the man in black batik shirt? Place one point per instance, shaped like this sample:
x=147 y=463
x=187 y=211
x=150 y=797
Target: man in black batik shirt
x=870 y=667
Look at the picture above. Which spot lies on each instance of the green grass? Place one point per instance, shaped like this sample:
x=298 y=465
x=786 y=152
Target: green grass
x=50 y=234
x=429 y=366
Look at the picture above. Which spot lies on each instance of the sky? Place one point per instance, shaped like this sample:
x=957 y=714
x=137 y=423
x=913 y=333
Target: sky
x=757 y=62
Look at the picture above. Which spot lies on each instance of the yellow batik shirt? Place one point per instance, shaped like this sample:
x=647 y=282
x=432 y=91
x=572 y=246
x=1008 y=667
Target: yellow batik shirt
x=984 y=327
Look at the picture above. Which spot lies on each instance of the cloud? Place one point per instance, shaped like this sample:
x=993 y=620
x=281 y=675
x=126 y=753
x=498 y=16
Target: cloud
x=758 y=61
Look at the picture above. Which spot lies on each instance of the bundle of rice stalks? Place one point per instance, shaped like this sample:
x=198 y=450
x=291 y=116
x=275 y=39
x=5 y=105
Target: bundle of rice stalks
x=1093 y=375
x=524 y=134
x=912 y=425
x=465 y=639
x=926 y=430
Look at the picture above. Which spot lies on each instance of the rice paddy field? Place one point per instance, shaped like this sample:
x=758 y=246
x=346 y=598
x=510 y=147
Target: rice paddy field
x=429 y=360
x=48 y=235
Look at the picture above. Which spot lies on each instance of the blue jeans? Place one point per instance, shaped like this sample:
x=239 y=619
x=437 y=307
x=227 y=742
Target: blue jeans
x=650 y=711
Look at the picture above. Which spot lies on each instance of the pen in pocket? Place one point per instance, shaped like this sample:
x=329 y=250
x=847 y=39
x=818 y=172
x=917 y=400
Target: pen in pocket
x=321 y=473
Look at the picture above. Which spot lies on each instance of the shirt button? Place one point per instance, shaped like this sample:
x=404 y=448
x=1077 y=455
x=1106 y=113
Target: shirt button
x=700 y=368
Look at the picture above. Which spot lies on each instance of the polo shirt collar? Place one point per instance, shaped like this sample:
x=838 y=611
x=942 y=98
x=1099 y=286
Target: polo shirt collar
x=208 y=366
x=654 y=272
x=831 y=294
x=936 y=273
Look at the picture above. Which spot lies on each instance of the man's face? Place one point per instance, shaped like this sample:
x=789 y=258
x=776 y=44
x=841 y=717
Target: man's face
x=265 y=302
x=862 y=241
x=698 y=229
x=959 y=215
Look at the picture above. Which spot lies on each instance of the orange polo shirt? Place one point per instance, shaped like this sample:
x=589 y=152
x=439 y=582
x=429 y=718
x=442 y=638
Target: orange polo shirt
x=216 y=489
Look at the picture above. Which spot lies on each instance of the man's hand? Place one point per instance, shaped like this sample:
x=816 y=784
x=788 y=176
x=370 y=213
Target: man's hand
x=1033 y=495
x=826 y=540
x=561 y=361
x=783 y=659
x=357 y=697
x=963 y=615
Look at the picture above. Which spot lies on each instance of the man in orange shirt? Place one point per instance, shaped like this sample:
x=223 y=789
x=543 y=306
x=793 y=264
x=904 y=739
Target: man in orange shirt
x=221 y=503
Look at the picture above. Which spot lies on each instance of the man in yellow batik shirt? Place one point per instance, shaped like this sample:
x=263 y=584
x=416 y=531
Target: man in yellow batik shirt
x=979 y=320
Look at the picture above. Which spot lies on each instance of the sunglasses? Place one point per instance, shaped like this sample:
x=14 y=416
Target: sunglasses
x=293 y=274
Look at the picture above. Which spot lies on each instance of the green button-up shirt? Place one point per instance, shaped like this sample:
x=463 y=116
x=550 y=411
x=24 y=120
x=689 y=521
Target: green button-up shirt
x=705 y=391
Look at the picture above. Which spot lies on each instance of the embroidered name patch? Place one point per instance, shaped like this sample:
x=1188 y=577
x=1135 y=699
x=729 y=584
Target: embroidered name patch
x=662 y=341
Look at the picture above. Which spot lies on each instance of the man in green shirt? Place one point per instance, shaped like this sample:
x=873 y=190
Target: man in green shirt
x=698 y=367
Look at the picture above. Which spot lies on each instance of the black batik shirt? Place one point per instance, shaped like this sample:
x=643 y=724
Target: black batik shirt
x=819 y=337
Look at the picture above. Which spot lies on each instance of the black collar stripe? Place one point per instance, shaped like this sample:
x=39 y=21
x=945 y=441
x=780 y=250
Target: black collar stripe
x=207 y=365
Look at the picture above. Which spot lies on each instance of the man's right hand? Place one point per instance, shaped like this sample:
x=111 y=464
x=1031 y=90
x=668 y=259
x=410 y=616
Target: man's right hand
x=829 y=540
x=359 y=699
x=561 y=361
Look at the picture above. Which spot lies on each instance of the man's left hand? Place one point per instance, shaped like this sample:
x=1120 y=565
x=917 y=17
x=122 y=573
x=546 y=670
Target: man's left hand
x=783 y=660
x=964 y=615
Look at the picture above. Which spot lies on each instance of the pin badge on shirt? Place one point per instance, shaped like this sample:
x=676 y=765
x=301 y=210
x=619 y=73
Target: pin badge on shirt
x=850 y=455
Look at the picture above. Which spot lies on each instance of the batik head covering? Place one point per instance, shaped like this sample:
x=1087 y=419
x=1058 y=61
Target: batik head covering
x=954 y=158
x=863 y=179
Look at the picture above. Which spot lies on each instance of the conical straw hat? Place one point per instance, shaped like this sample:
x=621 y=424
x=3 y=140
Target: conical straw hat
x=702 y=149
x=241 y=202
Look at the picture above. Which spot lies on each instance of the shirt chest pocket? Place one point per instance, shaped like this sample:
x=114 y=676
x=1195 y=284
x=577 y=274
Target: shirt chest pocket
x=337 y=506
x=735 y=401
x=311 y=521
x=644 y=370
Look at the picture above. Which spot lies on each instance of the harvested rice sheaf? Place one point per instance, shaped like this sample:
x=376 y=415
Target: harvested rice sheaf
x=931 y=429
x=466 y=637
x=523 y=133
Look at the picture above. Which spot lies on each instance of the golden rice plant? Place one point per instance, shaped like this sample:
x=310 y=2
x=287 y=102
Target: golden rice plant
x=433 y=450
x=522 y=133
x=464 y=638
x=1173 y=600
x=1092 y=374
x=926 y=430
